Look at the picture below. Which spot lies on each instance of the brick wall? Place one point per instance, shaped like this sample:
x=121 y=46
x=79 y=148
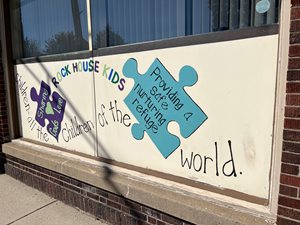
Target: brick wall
x=289 y=194
x=4 y=132
x=102 y=204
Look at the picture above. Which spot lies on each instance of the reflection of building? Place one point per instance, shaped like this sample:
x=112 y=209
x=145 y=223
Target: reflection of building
x=226 y=170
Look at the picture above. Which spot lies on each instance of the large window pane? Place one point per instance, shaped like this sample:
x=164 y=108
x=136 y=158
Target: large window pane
x=43 y=27
x=118 y=22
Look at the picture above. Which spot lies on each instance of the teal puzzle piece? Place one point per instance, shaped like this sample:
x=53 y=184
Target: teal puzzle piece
x=157 y=99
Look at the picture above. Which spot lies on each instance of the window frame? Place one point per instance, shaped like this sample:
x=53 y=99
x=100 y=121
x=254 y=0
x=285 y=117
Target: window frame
x=180 y=41
x=213 y=37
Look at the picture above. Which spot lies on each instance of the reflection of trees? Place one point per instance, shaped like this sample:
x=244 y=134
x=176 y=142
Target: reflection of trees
x=68 y=42
x=31 y=47
x=64 y=42
x=76 y=19
x=106 y=38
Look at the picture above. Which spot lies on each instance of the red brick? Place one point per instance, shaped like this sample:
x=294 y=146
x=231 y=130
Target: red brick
x=133 y=205
x=130 y=220
x=295 y=13
x=293 y=112
x=138 y=215
x=293 y=75
x=284 y=221
x=139 y=222
x=161 y=223
x=292 y=124
x=122 y=219
x=290 y=180
x=119 y=217
x=292 y=87
x=288 y=191
x=171 y=220
x=294 y=63
x=291 y=213
x=151 y=220
x=93 y=196
x=113 y=198
x=290 y=169
x=290 y=146
x=122 y=200
x=295 y=3
x=289 y=202
x=114 y=205
x=103 y=200
x=291 y=158
x=289 y=135
x=293 y=100
x=125 y=209
x=101 y=193
x=294 y=50
x=295 y=26
x=151 y=212
x=111 y=216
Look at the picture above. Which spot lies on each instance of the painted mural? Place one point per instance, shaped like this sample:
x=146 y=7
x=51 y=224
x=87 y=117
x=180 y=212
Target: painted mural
x=193 y=112
x=156 y=99
x=53 y=111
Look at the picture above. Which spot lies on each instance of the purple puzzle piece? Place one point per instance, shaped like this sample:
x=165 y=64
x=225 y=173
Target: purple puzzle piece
x=53 y=110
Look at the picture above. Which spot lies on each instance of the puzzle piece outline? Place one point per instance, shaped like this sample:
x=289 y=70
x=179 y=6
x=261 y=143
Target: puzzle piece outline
x=54 y=120
x=130 y=70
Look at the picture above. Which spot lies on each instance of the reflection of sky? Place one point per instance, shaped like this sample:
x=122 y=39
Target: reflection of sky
x=42 y=19
x=144 y=20
x=98 y=16
x=139 y=20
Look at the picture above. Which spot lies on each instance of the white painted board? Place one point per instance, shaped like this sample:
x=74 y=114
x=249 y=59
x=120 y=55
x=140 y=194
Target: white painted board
x=77 y=127
x=233 y=97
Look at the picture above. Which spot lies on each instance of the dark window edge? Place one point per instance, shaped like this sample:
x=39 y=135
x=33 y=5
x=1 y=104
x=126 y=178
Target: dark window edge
x=213 y=37
x=57 y=57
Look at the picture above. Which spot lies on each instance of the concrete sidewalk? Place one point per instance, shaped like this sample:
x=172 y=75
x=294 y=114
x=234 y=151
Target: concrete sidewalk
x=23 y=205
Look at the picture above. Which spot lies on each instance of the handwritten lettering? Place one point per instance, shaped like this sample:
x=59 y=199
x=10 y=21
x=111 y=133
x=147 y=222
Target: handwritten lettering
x=205 y=164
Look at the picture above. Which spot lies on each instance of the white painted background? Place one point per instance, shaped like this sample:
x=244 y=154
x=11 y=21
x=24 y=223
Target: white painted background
x=76 y=88
x=235 y=88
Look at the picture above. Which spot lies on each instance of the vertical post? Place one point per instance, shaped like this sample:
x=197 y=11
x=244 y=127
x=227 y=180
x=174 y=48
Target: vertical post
x=283 y=47
x=8 y=71
x=77 y=25
x=215 y=15
x=90 y=40
x=224 y=15
x=89 y=24
x=234 y=14
x=289 y=196
x=188 y=17
x=245 y=13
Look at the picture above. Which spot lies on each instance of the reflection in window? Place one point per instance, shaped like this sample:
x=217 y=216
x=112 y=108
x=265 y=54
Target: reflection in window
x=117 y=22
x=43 y=27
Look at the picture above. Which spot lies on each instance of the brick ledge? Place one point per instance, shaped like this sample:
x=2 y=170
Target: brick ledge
x=169 y=197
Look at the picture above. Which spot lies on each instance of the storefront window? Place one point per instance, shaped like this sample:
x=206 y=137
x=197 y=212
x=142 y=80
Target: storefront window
x=44 y=27
x=49 y=27
x=119 y=22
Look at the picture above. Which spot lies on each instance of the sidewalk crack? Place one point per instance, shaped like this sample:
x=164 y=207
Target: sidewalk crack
x=28 y=214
